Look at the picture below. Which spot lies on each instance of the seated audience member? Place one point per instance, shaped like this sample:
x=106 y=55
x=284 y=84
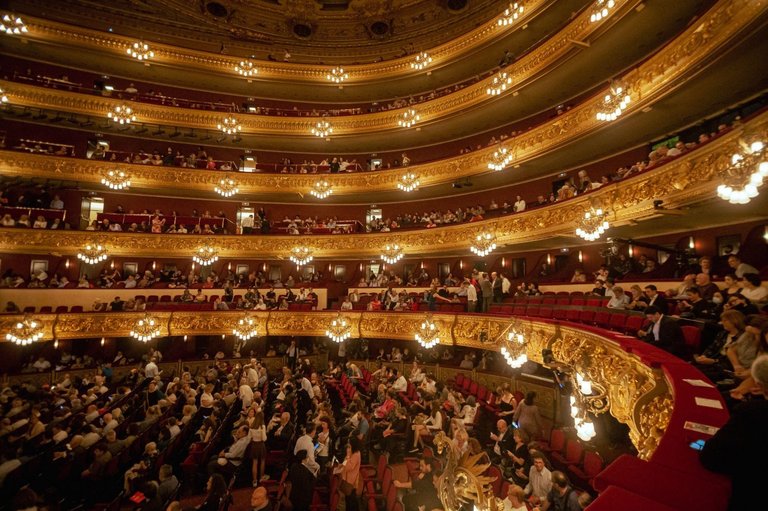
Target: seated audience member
x=752 y=288
x=619 y=300
x=578 y=276
x=707 y=288
x=744 y=350
x=425 y=494
x=515 y=500
x=562 y=496
x=713 y=361
x=740 y=268
x=696 y=306
x=228 y=460
x=663 y=332
x=655 y=299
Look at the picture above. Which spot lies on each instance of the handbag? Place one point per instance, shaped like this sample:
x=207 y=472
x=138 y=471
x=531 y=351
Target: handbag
x=346 y=488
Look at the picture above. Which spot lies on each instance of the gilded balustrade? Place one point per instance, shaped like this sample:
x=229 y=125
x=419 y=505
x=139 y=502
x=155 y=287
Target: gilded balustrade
x=689 y=179
x=638 y=395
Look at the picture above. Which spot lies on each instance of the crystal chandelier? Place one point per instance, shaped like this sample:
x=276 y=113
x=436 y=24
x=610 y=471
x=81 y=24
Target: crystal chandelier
x=500 y=159
x=587 y=397
x=140 y=51
x=428 y=335
x=513 y=348
x=614 y=103
x=206 y=255
x=392 y=254
x=337 y=75
x=421 y=61
x=116 y=180
x=227 y=187
x=593 y=224
x=601 y=9
x=3 y=97
x=122 y=114
x=340 y=329
x=322 y=129
x=745 y=174
x=321 y=189
x=92 y=254
x=408 y=118
x=511 y=14
x=25 y=332
x=485 y=243
x=499 y=84
x=146 y=328
x=229 y=125
x=245 y=328
x=13 y=25
x=408 y=182
x=246 y=68
x=301 y=255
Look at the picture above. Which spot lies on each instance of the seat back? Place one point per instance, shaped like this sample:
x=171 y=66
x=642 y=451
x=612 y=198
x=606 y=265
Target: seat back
x=593 y=463
x=692 y=336
x=573 y=452
x=634 y=323
x=556 y=440
x=594 y=302
x=546 y=312
x=602 y=318
x=560 y=313
x=617 y=321
x=586 y=316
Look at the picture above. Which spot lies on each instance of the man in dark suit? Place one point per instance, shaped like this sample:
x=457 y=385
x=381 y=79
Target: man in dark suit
x=280 y=432
x=503 y=441
x=740 y=443
x=496 y=285
x=486 y=288
x=656 y=299
x=663 y=332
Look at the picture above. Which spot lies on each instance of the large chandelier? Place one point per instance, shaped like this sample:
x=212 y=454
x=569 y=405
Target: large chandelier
x=227 y=187
x=206 y=255
x=321 y=189
x=614 y=103
x=245 y=328
x=587 y=397
x=511 y=14
x=392 y=254
x=408 y=118
x=499 y=84
x=301 y=255
x=601 y=9
x=428 y=334
x=500 y=159
x=92 y=254
x=246 y=68
x=593 y=224
x=513 y=348
x=485 y=243
x=146 y=328
x=322 y=129
x=340 y=329
x=13 y=25
x=745 y=174
x=116 y=180
x=140 y=51
x=229 y=125
x=408 y=182
x=421 y=61
x=337 y=75
x=25 y=332
x=122 y=114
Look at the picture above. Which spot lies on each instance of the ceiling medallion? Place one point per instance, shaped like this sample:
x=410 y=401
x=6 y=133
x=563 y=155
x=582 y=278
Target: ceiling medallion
x=92 y=254
x=601 y=9
x=500 y=159
x=593 y=224
x=392 y=254
x=245 y=328
x=206 y=255
x=745 y=174
x=428 y=335
x=323 y=129
x=511 y=14
x=513 y=348
x=122 y=114
x=408 y=118
x=301 y=255
x=25 y=332
x=499 y=84
x=227 y=187
x=3 y=97
x=340 y=329
x=229 y=125
x=246 y=68
x=408 y=182
x=614 y=103
x=421 y=61
x=321 y=189
x=146 y=328
x=337 y=75
x=485 y=243
x=140 y=51
x=116 y=180
x=13 y=25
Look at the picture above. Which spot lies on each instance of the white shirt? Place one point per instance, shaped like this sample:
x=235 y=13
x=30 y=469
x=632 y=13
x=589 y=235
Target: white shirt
x=471 y=293
x=656 y=327
x=246 y=394
x=519 y=205
x=400 y=385
x=247 y=222
x=307 y=385
x=305 y=443
x=151 y=370
x=755 y=295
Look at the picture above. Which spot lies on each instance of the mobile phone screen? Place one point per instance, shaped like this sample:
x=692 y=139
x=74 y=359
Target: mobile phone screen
x=697 y=445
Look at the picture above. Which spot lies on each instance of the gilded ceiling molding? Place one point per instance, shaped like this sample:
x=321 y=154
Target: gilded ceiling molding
x=638 y=395
x=53 y=32
x=687 y=180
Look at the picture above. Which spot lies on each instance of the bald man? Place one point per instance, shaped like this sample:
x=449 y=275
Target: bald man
x=503 y=441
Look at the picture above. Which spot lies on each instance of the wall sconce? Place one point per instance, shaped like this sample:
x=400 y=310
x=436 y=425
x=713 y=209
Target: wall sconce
x=193 y=266
x=264 y=267
x=185 y=338
x=422 y=265
x=631 y=251
x=329 y=266
x=503 y=262
x=461 y=265
x=549 y=259
x=103 y=340
x=66 y=264
x=112 y=264
x=154 y=265
x=581 y=256
x=691 y=243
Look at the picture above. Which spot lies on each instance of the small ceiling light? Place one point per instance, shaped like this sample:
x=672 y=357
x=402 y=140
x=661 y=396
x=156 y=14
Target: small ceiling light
x=513 y=348
x=116 y=180
x=337 y=75
x=614 y=103
x=321 y=189
x=593 y=224
x=246 y=68
x=25 y=332
x=408 y=118
x=340 y=329
x=499 y=84
x=3 y=97
x=421 y=61
x=301 y=255
x=485 y=243
x=245 y=328
x=601 y=9
x=322 y=129
x=13 y=25
x=229 y=125
x=227 y=187
x=408 y=182
x=146 y=328
x=392 y=254
x=500 y=159
x=122 y=114
x=428 y=335
x=92 y=254
x=206 y=255
x=745 y=174
x=140 y=51
x=511 y=14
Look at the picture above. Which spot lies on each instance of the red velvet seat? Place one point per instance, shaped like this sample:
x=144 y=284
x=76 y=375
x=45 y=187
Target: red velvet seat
x=582 y=475
x=29 y=309
x=495 y=308
x=573 y=453
x=617 y=322
x=573 y=315
x=578 y=301
x=549 y=300
x=62 y=309
x=76 y=308
x=615 y=498
x=556 y=442
x=560 y=313
x=692 y=336
x=587 y=317
x=602 y=318
x=473 y=388
x=633 y=324
x=46 y=309
x=546 y=312
x=594 y=302
x=507 y=310
x=518 y=310
x=532 y=311
x=563 y=301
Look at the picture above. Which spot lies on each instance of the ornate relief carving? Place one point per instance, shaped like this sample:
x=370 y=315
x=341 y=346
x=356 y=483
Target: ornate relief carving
x=653 y=422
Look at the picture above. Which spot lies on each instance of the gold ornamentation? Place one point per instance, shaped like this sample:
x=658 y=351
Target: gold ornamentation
x=462 y=481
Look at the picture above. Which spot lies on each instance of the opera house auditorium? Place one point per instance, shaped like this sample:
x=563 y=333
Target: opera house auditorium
x=383 y=255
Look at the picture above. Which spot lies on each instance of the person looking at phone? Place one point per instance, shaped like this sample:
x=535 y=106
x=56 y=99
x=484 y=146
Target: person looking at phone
x=306 y=442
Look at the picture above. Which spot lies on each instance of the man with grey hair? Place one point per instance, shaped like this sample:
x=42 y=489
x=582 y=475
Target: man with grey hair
x=740 y=444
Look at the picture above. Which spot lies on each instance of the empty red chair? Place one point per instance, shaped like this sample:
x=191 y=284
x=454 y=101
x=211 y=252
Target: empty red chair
x=572 y=315
x=482 y=393
x=634 y=323
x=495 y=473
x=563 y=301
x=459 y=381
x=152 y=298
x=556 y=442
x=573 y=453
x=507 y=310
x=587 y=317
x=578 y=301
x=692 y=336
x=532 y=310
x=546 y=312
x=582 y=475
x=549 y=300
x=518 y=310
x=46 y=309
x=465 y=386
x=560 y=313
x=617 y=322
x=62 y=309
x=594 y=302
x=76 y=308
x=473 y=388
x=29 y=309
x=602 y=318
x=165 y=298
x=495 y=308
x=536 y=300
